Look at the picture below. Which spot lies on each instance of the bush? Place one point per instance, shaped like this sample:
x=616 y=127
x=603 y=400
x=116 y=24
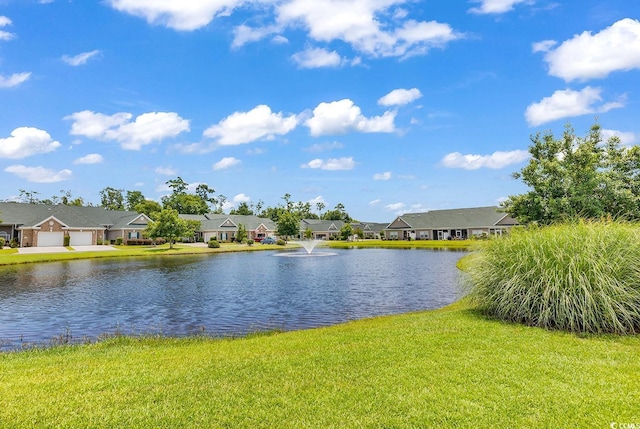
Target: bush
x=2 y=242
x=159 y=241
x=119 y=241
x=14 y=243
x=578 y=277
x=281 y=242
x=213 y=244
x=66 y=240
x=139 y=242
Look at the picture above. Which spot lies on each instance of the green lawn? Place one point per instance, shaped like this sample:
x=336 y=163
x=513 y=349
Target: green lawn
x=11 y=256
x=444 y=368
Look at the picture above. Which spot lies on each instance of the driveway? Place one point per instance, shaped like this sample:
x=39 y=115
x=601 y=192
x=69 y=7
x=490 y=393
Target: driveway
x=61 y=249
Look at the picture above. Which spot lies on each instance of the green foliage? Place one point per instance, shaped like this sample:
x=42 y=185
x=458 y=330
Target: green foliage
x=281 y=242
x=112 y=199
x=119 y=241
x=241 y=235
x=66 y=240
x=308 y=233
x=14 y=243
x=133 y=198
x=242 y=209
x=168 y=225
x=148 y=207
x=577 y=178
x=213 y=243
x=346 y=231
x=579 y=277
x=288 y=224
x=2 y=242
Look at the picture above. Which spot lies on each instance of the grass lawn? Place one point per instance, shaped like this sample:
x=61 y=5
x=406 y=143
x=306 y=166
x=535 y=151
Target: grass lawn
x=443 y=368
x=403 y=244
x=11 y=256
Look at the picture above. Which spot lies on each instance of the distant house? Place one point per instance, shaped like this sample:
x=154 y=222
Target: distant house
x=224 y=227
x=450 y=224
x=325 y=229
x=42 y=225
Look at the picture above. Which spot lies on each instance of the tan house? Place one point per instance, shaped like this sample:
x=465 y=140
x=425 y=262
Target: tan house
x=224 y=227
x=453 y=224
x=43 y=225
x=325 y=229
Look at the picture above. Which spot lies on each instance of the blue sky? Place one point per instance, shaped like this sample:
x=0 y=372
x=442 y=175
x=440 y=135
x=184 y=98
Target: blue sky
x=385 y=106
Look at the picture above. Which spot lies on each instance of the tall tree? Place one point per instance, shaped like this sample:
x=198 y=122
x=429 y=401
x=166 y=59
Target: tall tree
x=288 y=224
x=134 y=198
x=576 y=177
x=148 y=207
x=112 y=199
x=167 y=224
x=242 y=209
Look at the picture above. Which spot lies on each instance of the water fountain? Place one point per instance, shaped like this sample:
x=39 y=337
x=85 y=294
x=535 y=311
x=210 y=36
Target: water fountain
x=309 y=246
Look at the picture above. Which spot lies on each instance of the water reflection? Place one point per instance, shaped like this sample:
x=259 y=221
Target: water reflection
x=225 y=294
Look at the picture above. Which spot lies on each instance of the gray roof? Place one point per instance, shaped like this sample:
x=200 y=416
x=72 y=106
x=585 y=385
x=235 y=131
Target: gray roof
x=32 y=215
x=217 y=222
x=477 y=217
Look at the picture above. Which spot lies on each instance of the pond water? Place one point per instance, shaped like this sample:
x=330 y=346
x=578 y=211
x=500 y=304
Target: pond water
x=222 y=294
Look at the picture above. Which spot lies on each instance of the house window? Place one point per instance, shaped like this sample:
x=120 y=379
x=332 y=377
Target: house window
x=424 y=235
x=393 y=235
x=134 y=235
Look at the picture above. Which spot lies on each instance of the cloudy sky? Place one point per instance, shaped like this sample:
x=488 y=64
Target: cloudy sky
x=385 y=106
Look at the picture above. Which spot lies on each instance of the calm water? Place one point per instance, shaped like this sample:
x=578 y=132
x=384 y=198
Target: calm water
x=226 y=294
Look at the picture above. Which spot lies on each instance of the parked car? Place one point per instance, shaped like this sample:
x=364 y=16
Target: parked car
x=268 y=240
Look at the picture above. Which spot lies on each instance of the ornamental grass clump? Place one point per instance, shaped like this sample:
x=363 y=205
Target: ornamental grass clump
x=579 y=277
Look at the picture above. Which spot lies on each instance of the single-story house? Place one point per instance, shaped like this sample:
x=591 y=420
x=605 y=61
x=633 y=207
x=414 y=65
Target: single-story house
x=459 y=224
x=224 y=227
x=43 y=225
x=324 y=229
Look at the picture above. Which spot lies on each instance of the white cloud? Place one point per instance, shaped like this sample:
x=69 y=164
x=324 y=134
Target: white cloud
x=544 y=46
x=626 y=138
x=14 y=80
x=375 y=202
x=246 y=127
x=495 y=161
x=339 y=117
x=244 y=34
x=592 y=56
x=316 y=200
x=145 y=129
x=241 y=198
x=80 y=59
x=395 y=206
x=382 y=176
x=92 y=158
x=312 y=58
x=331 y=164
x=225 y=163
x=27 y=141
x=39 y=174
x=322 y=147
x=5 y=35
x=183 y=16
x=399 y=97
x=360 y=24
x=166 y=171
x=496 y=6
x=569 y=103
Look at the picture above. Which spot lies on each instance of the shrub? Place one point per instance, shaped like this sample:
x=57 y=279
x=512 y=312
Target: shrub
x=578 y=277
x=213 y=244
x=281 y=242
x=159 y=241
x=119 y=241
x=139 y=242
x=2 y=242
x=14 y=243
x=66 y=240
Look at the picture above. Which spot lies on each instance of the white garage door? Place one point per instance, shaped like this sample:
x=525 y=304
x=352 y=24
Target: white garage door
x=80 y=238
x=48 y=239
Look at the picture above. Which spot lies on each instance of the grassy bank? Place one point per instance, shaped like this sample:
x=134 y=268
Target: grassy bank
x=12 y=257
x=403 y=244
x=444 y=368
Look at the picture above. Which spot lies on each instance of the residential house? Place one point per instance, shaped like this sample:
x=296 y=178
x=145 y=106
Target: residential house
x=43 y=225
x=325 y=229
x=224 y=227
x=459 y=224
